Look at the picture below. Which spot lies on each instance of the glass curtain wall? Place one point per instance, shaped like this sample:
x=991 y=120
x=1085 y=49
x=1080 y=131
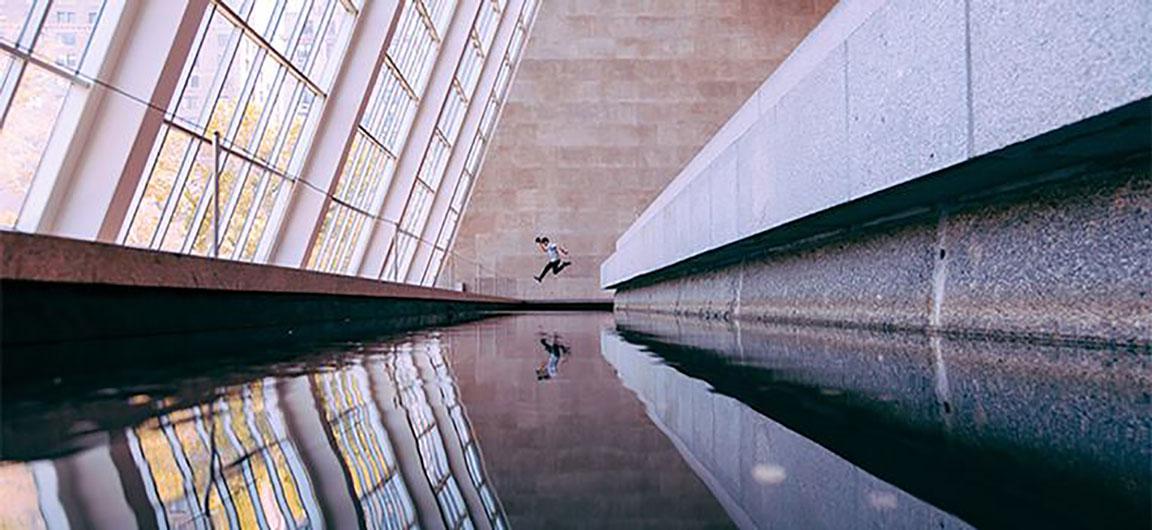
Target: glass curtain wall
x=444 y=136
x=479 y=145
x=241 y=121
x=49 y=53
x=381 y=134
x=258 y=77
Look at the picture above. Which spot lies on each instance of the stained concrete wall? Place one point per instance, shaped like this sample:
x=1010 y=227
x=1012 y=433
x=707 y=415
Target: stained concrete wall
x=887 y=91
x=1068 y=261
x=611 y=100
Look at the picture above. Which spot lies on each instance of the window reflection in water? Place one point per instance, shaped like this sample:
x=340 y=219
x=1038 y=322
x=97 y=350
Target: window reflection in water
x=242 y=460
x=364 y=448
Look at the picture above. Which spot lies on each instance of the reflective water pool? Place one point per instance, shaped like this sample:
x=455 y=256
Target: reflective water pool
x=575 y=420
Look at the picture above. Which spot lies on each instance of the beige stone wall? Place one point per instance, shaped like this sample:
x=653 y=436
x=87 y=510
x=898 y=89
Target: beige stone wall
x=612 y=98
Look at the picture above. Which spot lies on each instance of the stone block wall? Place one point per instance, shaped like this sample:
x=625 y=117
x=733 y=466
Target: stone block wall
x=611 y=100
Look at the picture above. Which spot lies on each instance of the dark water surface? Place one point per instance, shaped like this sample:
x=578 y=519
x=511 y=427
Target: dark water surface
x=575 y=420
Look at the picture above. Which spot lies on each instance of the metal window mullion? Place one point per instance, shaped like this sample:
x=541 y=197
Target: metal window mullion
x=189 y=65
x=250 y=218
x=407 y=88
x=375 y=102
x=426 y=18
x=364 y=182
x=286 y=127
x=366 y=197
x=88 y=44
x=346 y=217
x=347 y=176
x=245 y=96
x=178 y=183
x=321 y=31
x=277 y=487
x=212 y=97
x=263 y=43
x=180 y=456
x=220 y=482
x=339 y=239
x=341 y=251
x=333 y=222
x=266 y=116
x=298 y=31
x=358 y=174
x=234 y=203
x=205 y=201
x=245 y=468
x=34 y=22
x=209 y=193
x=233 y=152
x=8 y=91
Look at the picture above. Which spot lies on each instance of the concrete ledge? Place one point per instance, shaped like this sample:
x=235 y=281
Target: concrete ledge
x=42 y=258
x=1047 y=240
x=70 y=305
x=886 y=92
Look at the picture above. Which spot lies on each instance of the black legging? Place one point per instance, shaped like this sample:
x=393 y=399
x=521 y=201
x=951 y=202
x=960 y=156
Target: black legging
x=554 y=266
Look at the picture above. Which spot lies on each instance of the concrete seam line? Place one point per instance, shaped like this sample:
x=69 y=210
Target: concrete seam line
x=971 y=119
x=939 y=270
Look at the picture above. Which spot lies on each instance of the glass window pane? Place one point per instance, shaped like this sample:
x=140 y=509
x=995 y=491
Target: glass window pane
x=331 y=46
x=262 y=216
x=150 y=207
x=288 y=27
x=64 y=39
x=211 y=65
x=188 y=195
x=26 y=131
x=13 y=16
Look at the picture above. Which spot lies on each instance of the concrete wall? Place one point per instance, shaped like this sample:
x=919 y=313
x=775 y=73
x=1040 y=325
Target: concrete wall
x=885 y=92
x=1068 y=262
x=611 y=100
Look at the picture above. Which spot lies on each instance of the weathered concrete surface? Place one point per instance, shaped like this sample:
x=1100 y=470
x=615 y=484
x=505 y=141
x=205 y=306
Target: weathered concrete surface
x=1067 y=261
x=1003 y=434
x=883 y=92
x=611 y=100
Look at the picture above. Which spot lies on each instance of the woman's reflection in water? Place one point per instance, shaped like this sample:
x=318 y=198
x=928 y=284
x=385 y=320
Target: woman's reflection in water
x=557 y=353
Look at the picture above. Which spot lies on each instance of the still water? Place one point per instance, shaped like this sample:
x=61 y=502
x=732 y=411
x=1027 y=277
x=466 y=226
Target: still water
x=580 y=420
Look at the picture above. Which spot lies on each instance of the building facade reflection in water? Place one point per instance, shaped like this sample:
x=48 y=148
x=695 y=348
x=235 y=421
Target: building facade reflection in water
x=380 y=441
